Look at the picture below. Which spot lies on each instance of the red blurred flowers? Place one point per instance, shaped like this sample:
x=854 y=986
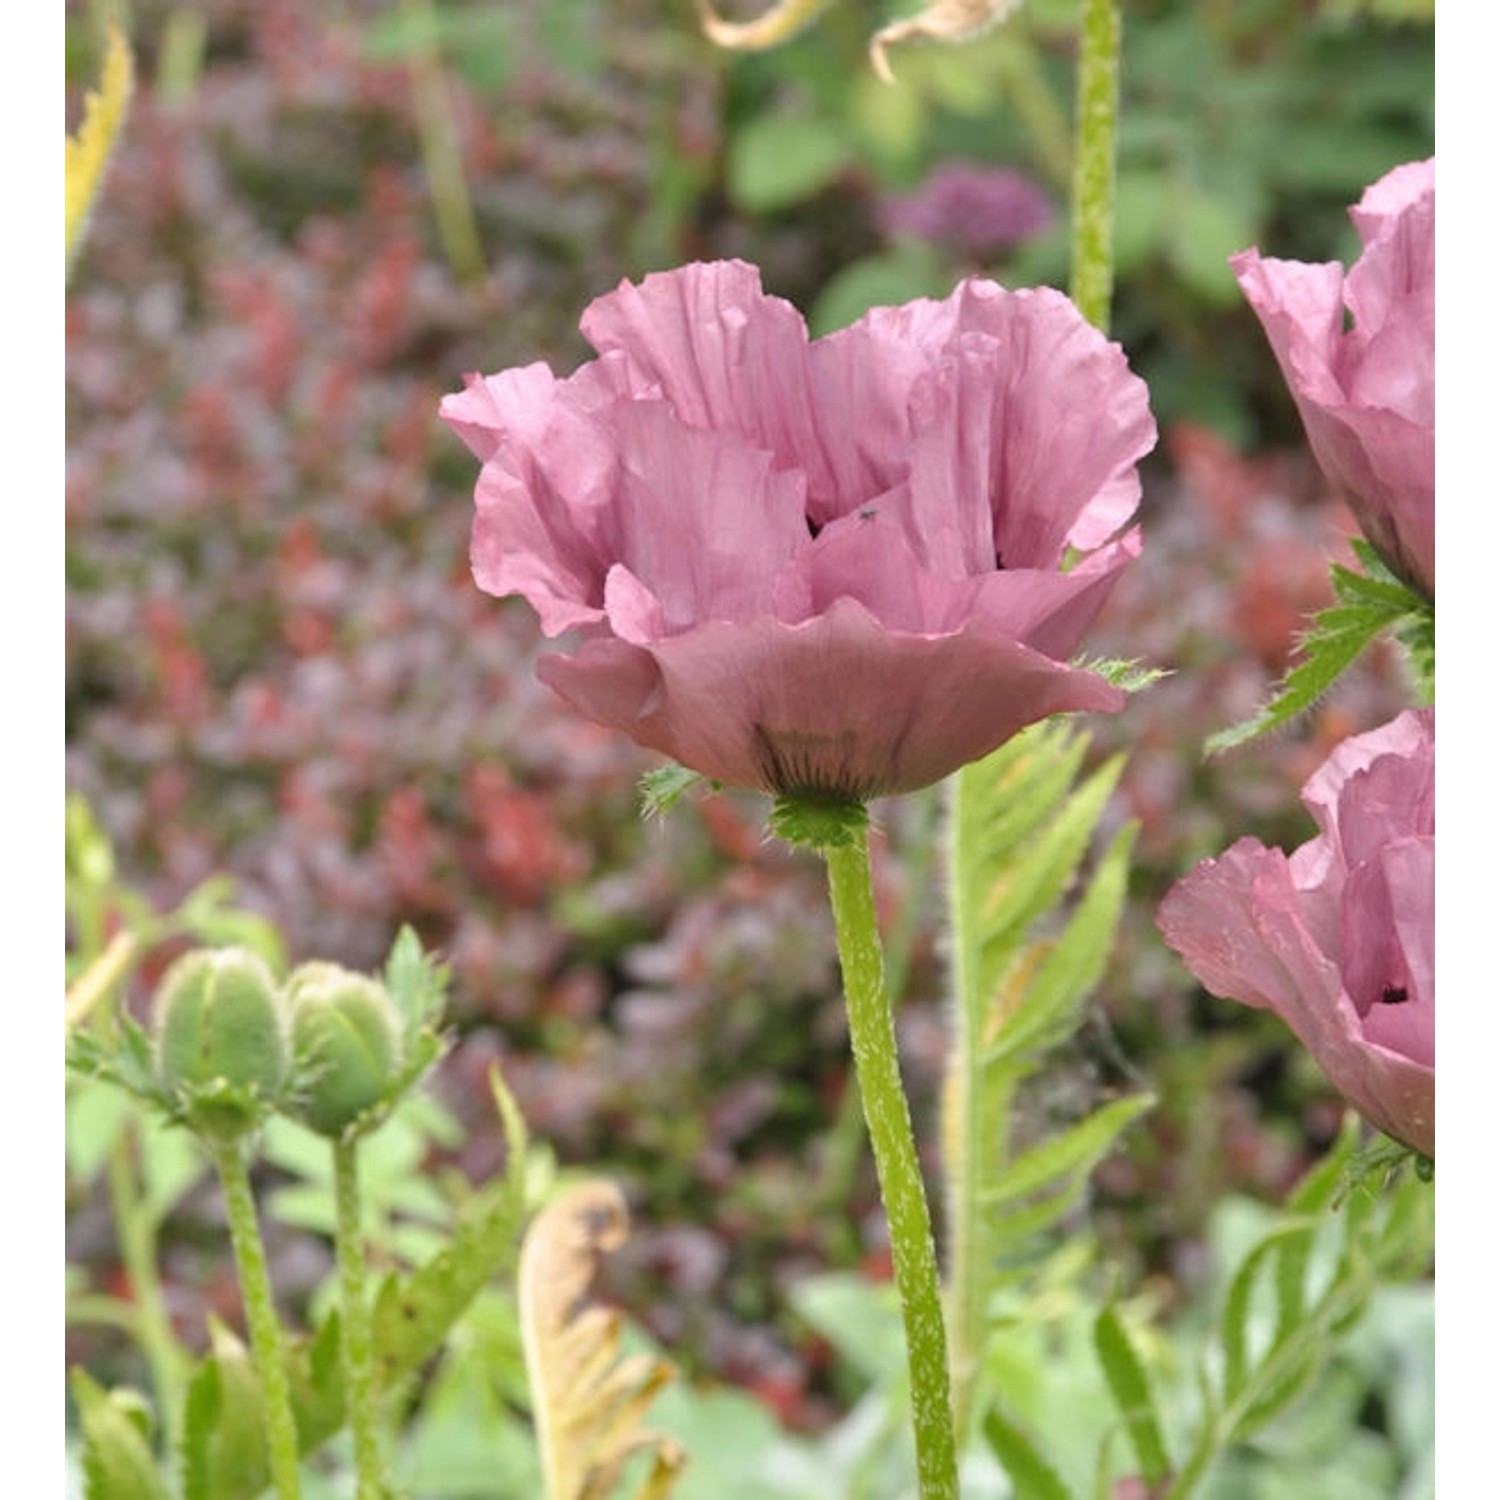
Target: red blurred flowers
x=822 y=568
x=1337 y=939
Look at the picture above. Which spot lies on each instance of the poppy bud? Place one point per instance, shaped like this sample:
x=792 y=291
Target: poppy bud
x=221 y=1041
x=346 y=1043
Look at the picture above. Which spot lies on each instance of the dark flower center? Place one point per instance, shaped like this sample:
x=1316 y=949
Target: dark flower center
x=1393 y=994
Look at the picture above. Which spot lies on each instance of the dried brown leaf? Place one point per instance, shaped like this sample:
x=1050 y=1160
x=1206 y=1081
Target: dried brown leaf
x=589 y=1402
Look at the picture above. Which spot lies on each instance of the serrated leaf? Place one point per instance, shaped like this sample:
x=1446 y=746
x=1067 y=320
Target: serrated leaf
x=1067 y=1157
x=1368 y=604
x=663 y=788
x=1129 y=674
x=1032 y=1477
x=1329 y=649
x=414 y=1311
x=118 y=1463
x=87 y=153
x=416 y=981
x=224 y=1435
x=1130 y=1386
x=588 y=1401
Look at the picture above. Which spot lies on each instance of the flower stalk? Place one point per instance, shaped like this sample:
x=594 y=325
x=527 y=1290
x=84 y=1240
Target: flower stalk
x=872 y=1035
x=267 y=1347
x=1093 y=273
x=358 y=1338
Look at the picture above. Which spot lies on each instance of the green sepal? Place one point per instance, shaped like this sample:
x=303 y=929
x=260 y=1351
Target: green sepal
x=810 y=824
x=118 y=1463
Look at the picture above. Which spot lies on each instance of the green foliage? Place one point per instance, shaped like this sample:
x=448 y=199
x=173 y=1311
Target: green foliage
x=1369 y=604
x=778 y=160
x=663 y=788
x=1033 y=1477
x=224 y=1440
x=118 y=1463
x=1022 y=973
x=1130 y=1385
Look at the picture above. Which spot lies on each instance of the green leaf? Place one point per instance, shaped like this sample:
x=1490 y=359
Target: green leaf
x=778 y=160
x=1070 y=1156
x=224 y=1435
x=1368 y=604
x=118 y=1463
x=1070 y=968
x=414 y=1311
x=1131 y=1387
x=884 y=280
x=416 y=981
x=663 y=788
x=1029 y=886
x=1337 y=638
x=1031 y=1475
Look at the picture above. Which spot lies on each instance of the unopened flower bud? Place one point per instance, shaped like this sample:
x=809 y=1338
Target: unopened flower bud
x=347 y=1046
x=221 y=1039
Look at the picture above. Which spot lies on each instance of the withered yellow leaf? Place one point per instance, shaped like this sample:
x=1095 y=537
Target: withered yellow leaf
x=88 y=151
x=588 y=1400
x=776 y=25
x=944 y=21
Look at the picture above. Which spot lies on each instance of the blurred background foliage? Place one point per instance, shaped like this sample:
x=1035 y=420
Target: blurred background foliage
x=279 y=672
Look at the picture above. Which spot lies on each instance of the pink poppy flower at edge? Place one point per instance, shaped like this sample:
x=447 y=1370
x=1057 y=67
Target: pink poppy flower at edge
x=1366 y=392
x=825 y=568
x=1337 y=938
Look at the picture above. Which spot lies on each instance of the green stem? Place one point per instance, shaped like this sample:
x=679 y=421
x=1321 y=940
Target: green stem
x=1094 y=160
x=135 y=1229
x=266 y=1344
x=358 y=1335
x=452 y=206
x=846 y=1138
x=872 y=1034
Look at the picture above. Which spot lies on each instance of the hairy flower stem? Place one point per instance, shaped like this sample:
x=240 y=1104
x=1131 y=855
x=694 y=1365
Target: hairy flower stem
x=266 y=1344
x=1094 y=160
x=358 y=1337
x=872 y=1033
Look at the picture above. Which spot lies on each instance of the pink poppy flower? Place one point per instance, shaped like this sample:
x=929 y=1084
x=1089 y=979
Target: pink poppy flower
x=1365 y=392
x=824 y=568
x=1337 y=939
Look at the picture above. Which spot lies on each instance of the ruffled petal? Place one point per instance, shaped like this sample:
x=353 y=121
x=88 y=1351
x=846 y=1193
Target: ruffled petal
x=721 y=353
x=838 y=706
